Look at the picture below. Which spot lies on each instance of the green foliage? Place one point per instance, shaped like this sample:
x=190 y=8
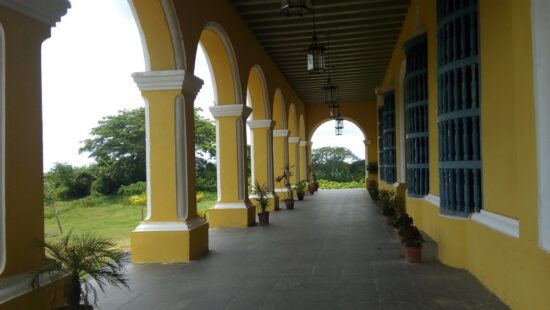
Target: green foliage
x=208 y=201
x=118 y=147
x=84 y=257
x=133 y=189
x=138 y=200
x=403 y=220
x=340 y=185
x=205 y=136
x=65 y=182
x=410 y=236
x=300 y=187
x=260 y=192
x=337 y=164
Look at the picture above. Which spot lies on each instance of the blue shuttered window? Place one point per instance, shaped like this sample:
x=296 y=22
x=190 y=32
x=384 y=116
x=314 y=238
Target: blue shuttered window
x=389 y=137
x=381 y=165
x=459 y=107
x=416 y=107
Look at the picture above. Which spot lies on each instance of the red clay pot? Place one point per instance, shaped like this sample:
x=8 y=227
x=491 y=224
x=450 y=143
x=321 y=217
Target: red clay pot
x=413 y=254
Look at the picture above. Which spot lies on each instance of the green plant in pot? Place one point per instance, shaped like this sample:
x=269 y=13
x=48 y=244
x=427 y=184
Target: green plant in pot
x=313 y=186
x=260 y=191
x=285 y=180
x=403 y=220
x=389 y=213
x=300 y=189
x=83 y=258
x=412 y=239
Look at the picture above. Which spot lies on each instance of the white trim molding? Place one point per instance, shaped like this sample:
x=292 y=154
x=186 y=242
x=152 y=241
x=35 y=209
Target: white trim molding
x=168 y=79
x=293 y=139
x=432 y=199
x=13 y=287
x=367 y=142
x=46 y=11
x=230 y=110
x=234 y=205
x=281 y=133
x=304 y=143
x=540 y=10
x=263 y=123
x=171 y=226
x=503 y=224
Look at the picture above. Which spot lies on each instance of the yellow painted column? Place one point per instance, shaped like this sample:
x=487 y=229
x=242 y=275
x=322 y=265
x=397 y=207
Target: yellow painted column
x=280 y=159
x=262 y=157
x=233 y=208
x=294 y=158
x=172 y=230
x=303 y=160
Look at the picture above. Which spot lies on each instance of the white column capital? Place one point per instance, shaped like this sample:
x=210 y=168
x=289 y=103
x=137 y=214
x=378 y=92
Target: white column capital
x=168 y=80
x=304 y=143
x=367 y=142
x=263 y=123
x=293 y=139
x=230 y=110
x=281 y=133
x=49 y=12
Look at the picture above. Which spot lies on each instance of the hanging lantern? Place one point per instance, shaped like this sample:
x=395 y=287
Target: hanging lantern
x=330 y=93
x=296 y=7
x=334 y=111
x=339 y=126
x=316 y=56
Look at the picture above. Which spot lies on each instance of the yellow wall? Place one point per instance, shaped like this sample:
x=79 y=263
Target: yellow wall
x=515 y=269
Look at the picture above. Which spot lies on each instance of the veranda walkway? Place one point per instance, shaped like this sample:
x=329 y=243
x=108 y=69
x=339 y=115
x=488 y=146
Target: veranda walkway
x=332 y=252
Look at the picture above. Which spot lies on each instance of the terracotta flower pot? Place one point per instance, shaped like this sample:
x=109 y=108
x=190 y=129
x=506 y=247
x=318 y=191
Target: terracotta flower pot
x=263 y=218
x=311 y=188
x=289 y=204
x=413 y=254
x=300 y=195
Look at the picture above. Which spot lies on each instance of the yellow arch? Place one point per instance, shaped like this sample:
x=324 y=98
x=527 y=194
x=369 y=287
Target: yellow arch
x=223 y=66
x=257 y=90
x=279 y=110
x=292 y=121
x=160 y=34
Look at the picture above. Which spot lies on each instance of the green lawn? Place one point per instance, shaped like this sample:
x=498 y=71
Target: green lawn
x=110 y=216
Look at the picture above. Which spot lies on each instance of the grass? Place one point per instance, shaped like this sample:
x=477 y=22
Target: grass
x=110 y=216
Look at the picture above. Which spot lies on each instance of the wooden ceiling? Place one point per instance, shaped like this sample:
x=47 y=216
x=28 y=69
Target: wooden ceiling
x=362 y=37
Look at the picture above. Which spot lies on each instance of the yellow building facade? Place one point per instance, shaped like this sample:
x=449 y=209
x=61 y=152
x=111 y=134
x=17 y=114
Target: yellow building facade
x=504 y=242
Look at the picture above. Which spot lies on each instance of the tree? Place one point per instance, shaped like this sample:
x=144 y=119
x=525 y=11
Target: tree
x=205 y=152
x=118 y=147
x=333 y=163
x=65 y=182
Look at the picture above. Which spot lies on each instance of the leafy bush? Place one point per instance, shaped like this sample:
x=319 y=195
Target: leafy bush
x=133 y=189
x=138 y=200
x=199 y=196
x=410 y=236
x=340 y=185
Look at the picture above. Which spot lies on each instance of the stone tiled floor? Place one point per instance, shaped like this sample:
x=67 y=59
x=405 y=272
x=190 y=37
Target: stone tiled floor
x=332 y=252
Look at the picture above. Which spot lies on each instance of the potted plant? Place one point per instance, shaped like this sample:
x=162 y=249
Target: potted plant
x=83 y=258
x=285 y=179
x=300 y=189
x=260 y=191
x=412 y=239
x=313 y=186
x=402 y=220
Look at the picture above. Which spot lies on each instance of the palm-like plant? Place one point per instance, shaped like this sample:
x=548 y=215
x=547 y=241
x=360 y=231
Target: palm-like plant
x=82 y=258
x=260 y=191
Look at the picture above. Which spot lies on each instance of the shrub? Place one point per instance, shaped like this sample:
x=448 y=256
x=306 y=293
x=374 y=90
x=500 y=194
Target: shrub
x=199 y=196
x=133 y=189
x=138 y=200
x=410 y=236
x=403 y=220
x=340 y=185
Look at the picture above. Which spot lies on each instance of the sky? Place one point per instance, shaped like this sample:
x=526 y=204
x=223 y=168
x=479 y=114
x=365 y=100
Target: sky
x=86 y=75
